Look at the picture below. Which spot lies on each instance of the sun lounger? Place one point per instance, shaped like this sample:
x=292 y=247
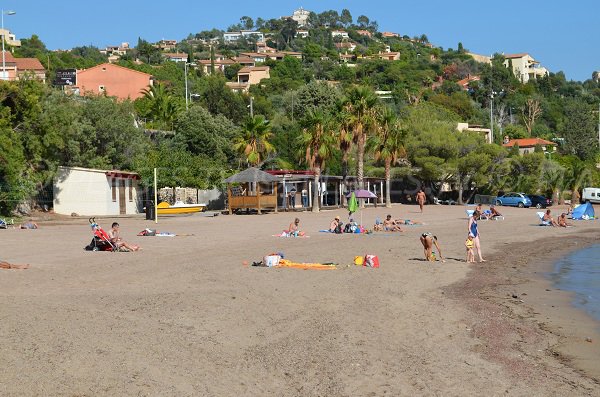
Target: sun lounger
x=542 y=221
x=4 y=224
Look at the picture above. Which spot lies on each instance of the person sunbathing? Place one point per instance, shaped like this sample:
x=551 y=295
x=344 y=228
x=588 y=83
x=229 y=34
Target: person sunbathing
x=335 y=226
x=407 y=222
x=294 y=229
x=547 y=218
x=562 y=220
x=117 y=241
x=30 y=224
x=390 y=225
x=6 y=265
x=494 y=212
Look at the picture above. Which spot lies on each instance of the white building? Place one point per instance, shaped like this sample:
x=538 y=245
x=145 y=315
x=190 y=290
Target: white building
x=524 y=67
x=301 y=16
x=91 y=192
x=230 y=37
x=9 y=38
x=486 y=132
x=340 y=33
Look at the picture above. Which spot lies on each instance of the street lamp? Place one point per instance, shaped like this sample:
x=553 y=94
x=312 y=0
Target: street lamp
x=4 y=74
x=185 y=68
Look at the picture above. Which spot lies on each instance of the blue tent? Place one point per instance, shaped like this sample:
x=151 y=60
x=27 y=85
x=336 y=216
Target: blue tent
x=584 y=211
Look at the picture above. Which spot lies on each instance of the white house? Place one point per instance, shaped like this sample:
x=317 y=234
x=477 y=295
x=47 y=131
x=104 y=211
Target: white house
x=90 y=192
x=230 y=37
x=340 y=33
x=524 y=67
x=301 y=16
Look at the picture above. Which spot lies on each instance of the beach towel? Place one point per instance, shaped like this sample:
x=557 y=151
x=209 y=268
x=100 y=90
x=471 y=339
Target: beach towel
x=306 y=266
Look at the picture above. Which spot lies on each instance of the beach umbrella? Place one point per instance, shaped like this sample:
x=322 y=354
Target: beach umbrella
x=360 y=193
x=352 y=203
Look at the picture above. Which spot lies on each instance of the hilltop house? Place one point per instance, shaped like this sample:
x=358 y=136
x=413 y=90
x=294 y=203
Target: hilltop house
x=176 y=57
x=301 y=16
x=248 y=76
x=486 y=132
x=230 y=37
x=527 y=145
x=9 y=38
x=524 y=67
x=20 y=68
x=112 y=80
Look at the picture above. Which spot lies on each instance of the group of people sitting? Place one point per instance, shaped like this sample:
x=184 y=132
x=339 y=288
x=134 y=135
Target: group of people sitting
x=560 y=222
x=338 y=227
x=492 y=213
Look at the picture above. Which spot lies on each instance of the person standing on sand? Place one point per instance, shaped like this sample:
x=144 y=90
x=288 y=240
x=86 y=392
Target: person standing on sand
x=474 y=232
x=421 y=199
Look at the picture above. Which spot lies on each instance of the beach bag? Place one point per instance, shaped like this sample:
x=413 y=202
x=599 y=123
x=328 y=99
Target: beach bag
x=271 y=260
x=359 y=260
x=371 y=261
x=348 y=228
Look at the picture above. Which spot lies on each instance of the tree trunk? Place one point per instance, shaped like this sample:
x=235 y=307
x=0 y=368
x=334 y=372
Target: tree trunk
x=316 y=201
x=460 y=189
x=575 y=198
x=344 y=200
x=388 y=183
x=360 y=161
x=360 y=166
x=556 y=196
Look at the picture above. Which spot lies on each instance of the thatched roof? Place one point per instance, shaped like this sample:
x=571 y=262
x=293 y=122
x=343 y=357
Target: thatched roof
x=251 y=175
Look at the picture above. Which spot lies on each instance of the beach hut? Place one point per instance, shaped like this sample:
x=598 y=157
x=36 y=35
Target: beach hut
x=249 y=194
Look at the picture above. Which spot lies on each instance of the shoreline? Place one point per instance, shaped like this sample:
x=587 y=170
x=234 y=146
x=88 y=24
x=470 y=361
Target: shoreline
x=527 y=311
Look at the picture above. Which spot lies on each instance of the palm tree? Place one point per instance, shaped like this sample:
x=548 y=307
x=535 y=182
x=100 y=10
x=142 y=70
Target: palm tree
x=254 y=143
x=360 y=105
x=344 y=139
x=164 y=108
x=318 y=139
x=388 y=144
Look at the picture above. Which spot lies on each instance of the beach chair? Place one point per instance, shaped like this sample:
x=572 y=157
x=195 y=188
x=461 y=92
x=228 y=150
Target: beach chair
x=542 y=221
x=4 y=224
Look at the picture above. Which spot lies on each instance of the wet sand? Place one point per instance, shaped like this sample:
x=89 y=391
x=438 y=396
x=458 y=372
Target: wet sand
x=185 y=316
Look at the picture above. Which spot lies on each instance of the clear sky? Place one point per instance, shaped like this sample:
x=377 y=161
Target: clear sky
x=562 y=35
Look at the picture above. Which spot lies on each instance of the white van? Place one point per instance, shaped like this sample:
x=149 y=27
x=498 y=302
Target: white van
x=591 y=194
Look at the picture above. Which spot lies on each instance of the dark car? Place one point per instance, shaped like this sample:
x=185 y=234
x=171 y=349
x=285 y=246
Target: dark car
x=538 y=201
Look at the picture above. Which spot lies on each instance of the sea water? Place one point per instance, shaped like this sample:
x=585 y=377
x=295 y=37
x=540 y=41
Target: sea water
x=579 y=272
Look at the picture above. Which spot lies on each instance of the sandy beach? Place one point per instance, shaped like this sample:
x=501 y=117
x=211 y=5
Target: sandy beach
x=186 y=317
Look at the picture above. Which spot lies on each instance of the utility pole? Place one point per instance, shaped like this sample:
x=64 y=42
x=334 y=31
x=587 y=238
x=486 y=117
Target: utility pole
x=251 y=108
x=185 y=65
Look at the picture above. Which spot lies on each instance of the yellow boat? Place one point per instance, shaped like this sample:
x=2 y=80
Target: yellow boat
x=179 y=207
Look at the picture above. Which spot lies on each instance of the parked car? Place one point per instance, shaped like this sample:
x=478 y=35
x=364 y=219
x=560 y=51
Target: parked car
x=538 y=201
x=514 y=199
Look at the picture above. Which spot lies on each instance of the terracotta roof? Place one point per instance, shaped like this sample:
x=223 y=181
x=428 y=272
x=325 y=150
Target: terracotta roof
x=29 y=64
x=512 y=56
x=528 y=142
x=464 y=82
x=8 y=57
x=111 y=65
x=249 y=69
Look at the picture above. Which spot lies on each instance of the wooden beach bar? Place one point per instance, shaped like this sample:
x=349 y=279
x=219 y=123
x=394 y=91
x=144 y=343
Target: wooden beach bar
x=249 y=194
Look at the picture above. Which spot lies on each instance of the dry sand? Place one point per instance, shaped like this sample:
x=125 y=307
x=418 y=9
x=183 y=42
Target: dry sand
x=185 y=317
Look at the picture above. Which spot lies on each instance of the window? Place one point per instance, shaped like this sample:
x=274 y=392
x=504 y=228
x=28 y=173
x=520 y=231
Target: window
x=101 y=88
x=131 y=190
x=114 y=189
